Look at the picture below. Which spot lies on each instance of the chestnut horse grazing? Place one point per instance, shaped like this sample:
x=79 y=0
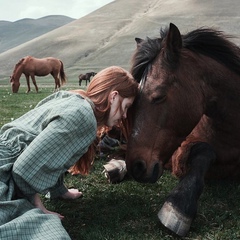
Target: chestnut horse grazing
x=32 y=67
x=190 y=97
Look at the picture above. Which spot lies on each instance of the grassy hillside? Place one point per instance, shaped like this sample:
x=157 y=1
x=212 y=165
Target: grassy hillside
x=106 y=36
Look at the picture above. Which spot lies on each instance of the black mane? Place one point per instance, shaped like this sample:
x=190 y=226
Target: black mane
x=214 y=44
x=147 y=50
x=206 y=41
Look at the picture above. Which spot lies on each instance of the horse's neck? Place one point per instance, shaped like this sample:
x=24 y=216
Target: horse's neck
x=224 y=109
x=18 y=72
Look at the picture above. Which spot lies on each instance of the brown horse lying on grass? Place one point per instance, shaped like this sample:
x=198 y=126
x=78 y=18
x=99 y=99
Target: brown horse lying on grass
x=31 y=67
x=190 y=96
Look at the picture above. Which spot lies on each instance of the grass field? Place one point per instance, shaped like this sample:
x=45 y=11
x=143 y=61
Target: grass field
x=128 y=210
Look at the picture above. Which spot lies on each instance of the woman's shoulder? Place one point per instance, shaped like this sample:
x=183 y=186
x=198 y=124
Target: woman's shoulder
x=79 y=110
x=55 y=96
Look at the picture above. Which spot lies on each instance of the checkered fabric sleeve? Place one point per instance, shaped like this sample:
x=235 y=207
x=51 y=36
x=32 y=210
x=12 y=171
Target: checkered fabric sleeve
x=67 y=130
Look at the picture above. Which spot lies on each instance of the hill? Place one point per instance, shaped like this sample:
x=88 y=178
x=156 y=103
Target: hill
x=15 y=33
x=106 y=36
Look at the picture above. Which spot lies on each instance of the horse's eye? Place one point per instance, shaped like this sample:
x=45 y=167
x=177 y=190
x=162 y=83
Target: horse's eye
x=159 y=99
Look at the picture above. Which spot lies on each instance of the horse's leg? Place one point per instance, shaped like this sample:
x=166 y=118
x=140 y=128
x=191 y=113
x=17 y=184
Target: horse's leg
x=28 y=83
x=80 y=81
x=57 y=81
x=180 y=208
x=34 y=83
x=57 y=84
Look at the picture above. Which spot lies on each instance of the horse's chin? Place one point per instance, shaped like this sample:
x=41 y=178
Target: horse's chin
x=156 y=173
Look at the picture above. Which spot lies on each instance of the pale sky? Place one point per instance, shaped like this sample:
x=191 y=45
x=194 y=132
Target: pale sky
x=13 y=10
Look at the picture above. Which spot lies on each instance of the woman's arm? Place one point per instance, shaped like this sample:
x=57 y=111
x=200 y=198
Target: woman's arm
x=52 y=153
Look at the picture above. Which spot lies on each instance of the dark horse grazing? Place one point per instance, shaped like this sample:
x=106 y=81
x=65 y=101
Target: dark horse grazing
x=86 y=77
x=186 y=115
x=32 y=67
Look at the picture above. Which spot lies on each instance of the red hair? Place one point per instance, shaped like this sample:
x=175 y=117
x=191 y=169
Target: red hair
x=109 y=79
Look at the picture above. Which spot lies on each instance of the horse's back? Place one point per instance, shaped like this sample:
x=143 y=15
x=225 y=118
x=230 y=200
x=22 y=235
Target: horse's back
x=81 y=76
x=46 y=60
x=41 y=66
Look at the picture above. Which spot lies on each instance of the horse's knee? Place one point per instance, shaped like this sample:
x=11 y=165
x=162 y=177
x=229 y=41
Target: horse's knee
x=203 y=150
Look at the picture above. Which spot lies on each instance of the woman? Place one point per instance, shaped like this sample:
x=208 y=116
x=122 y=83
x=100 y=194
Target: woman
x=39 y=147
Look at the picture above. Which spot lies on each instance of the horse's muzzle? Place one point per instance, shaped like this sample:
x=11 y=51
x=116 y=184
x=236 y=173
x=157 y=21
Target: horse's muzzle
x=141 y=173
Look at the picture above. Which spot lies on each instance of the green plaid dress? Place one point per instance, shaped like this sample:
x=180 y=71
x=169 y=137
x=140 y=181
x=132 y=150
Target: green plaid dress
x=35 y=151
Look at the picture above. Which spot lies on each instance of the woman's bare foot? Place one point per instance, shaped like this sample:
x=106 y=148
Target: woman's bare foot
x=72 y=194
x=38 y=204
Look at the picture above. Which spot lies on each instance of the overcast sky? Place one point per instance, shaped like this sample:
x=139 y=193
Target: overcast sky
x=13 y=10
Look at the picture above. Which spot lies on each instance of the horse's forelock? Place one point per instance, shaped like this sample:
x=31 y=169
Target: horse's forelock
x=145 y=53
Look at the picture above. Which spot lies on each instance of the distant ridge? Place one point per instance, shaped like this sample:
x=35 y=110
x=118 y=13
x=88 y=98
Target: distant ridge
x=15 y=33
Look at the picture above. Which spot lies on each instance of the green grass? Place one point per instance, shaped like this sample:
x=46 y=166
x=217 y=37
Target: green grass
x=128 y=210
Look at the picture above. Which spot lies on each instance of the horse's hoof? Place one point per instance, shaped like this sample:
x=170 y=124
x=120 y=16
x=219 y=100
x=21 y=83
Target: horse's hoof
x=172 y=219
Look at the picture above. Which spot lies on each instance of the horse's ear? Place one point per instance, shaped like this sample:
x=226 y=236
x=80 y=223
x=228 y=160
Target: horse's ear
x=174 y=39
x=138 y=41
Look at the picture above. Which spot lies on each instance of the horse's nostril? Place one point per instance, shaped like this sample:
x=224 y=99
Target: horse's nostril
x=139 y=169
x=141 y=174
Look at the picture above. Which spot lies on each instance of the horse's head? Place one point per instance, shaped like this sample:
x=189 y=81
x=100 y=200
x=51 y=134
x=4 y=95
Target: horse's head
x=168 y=106
x=15 y=84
